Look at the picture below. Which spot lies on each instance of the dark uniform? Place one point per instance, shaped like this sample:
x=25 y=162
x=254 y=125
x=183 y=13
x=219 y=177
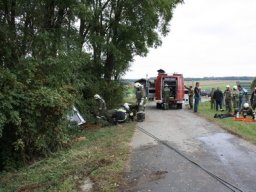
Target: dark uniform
x=121 y=115
x=212 y=99
x=197 y=93
x=218 y=96
x=253 y=99
x=228 y=100
x=166 y=97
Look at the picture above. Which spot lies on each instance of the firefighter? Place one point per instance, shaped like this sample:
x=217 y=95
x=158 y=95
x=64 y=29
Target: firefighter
x=166 y=96
x=140 y=96
x=235 y=98
x=228 y=99
x=101 y=106
x=122 y=114
x=253 y=99
x=190 y=96
x=247 y=110
x=141 y=99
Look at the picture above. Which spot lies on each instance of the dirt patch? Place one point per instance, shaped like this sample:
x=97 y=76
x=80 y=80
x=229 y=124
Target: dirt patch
x=142 y=179
x=87 y=185
x=104 y=162
x=91 y=126
x=32 y=187
x=157 y=175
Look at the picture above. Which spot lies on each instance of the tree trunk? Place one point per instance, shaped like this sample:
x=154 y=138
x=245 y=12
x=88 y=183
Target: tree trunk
x=109 y=66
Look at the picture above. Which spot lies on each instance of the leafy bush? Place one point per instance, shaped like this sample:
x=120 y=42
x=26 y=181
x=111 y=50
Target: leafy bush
x=112 y=92
x=32 y=119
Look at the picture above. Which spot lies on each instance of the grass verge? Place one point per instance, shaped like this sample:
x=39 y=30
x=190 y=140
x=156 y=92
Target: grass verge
x=101 y=155
x=246 y=130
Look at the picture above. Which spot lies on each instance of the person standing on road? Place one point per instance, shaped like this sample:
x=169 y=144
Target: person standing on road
x=235 y=99
x=190 y=96
x=140 y=96
x=141 y=100
x=212 y=99
x=197 y=94
x=218 y=97
x=166 y=96
x=253 y=99
x=228 y=99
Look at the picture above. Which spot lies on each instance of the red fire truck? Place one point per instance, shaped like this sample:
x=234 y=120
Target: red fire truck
x=175 y=83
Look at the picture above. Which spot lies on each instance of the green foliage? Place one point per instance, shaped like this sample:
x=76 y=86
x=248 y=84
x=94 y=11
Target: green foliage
x=33 y=120
x=48 y=64
x=253 y=83
x=117 y=30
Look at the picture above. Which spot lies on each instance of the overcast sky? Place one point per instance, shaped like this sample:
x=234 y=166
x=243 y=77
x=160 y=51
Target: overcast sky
x=207 y=38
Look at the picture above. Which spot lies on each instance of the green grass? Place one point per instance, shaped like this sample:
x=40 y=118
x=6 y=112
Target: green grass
x=130 y=95
x=246 y=130
x=101 y=157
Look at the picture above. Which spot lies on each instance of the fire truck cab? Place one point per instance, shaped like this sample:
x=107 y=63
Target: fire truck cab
x=175 y=83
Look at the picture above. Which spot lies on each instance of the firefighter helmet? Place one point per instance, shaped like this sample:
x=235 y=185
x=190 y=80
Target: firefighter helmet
x=246 y=105
x=137 y=85
x=126 y=106
x=96 y=96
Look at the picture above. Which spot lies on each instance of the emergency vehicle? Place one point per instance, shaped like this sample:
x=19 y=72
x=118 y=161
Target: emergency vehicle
x=175 y=83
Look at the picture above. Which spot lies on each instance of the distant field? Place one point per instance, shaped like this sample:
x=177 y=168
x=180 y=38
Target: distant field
x=209 y=84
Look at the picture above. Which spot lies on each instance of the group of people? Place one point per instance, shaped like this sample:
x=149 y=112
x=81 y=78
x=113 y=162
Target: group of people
x=234 y=100
x=114 y=116
x=124 y=112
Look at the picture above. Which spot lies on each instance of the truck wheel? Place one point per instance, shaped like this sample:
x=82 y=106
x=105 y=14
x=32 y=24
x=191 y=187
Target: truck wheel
x=179 y=106
x=158 y=105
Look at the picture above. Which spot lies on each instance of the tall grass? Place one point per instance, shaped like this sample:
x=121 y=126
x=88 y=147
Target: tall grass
x=101 y=156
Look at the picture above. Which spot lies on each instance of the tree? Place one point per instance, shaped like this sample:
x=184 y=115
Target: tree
x=117 y=30
x=37 y=63
x=47 y=60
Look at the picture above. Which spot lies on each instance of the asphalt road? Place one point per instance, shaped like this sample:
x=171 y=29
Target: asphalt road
x=156 y=167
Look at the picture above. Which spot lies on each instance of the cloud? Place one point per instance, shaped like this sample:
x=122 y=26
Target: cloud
x=207 y=38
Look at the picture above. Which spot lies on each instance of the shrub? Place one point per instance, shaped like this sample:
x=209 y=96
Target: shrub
x=32 y=120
